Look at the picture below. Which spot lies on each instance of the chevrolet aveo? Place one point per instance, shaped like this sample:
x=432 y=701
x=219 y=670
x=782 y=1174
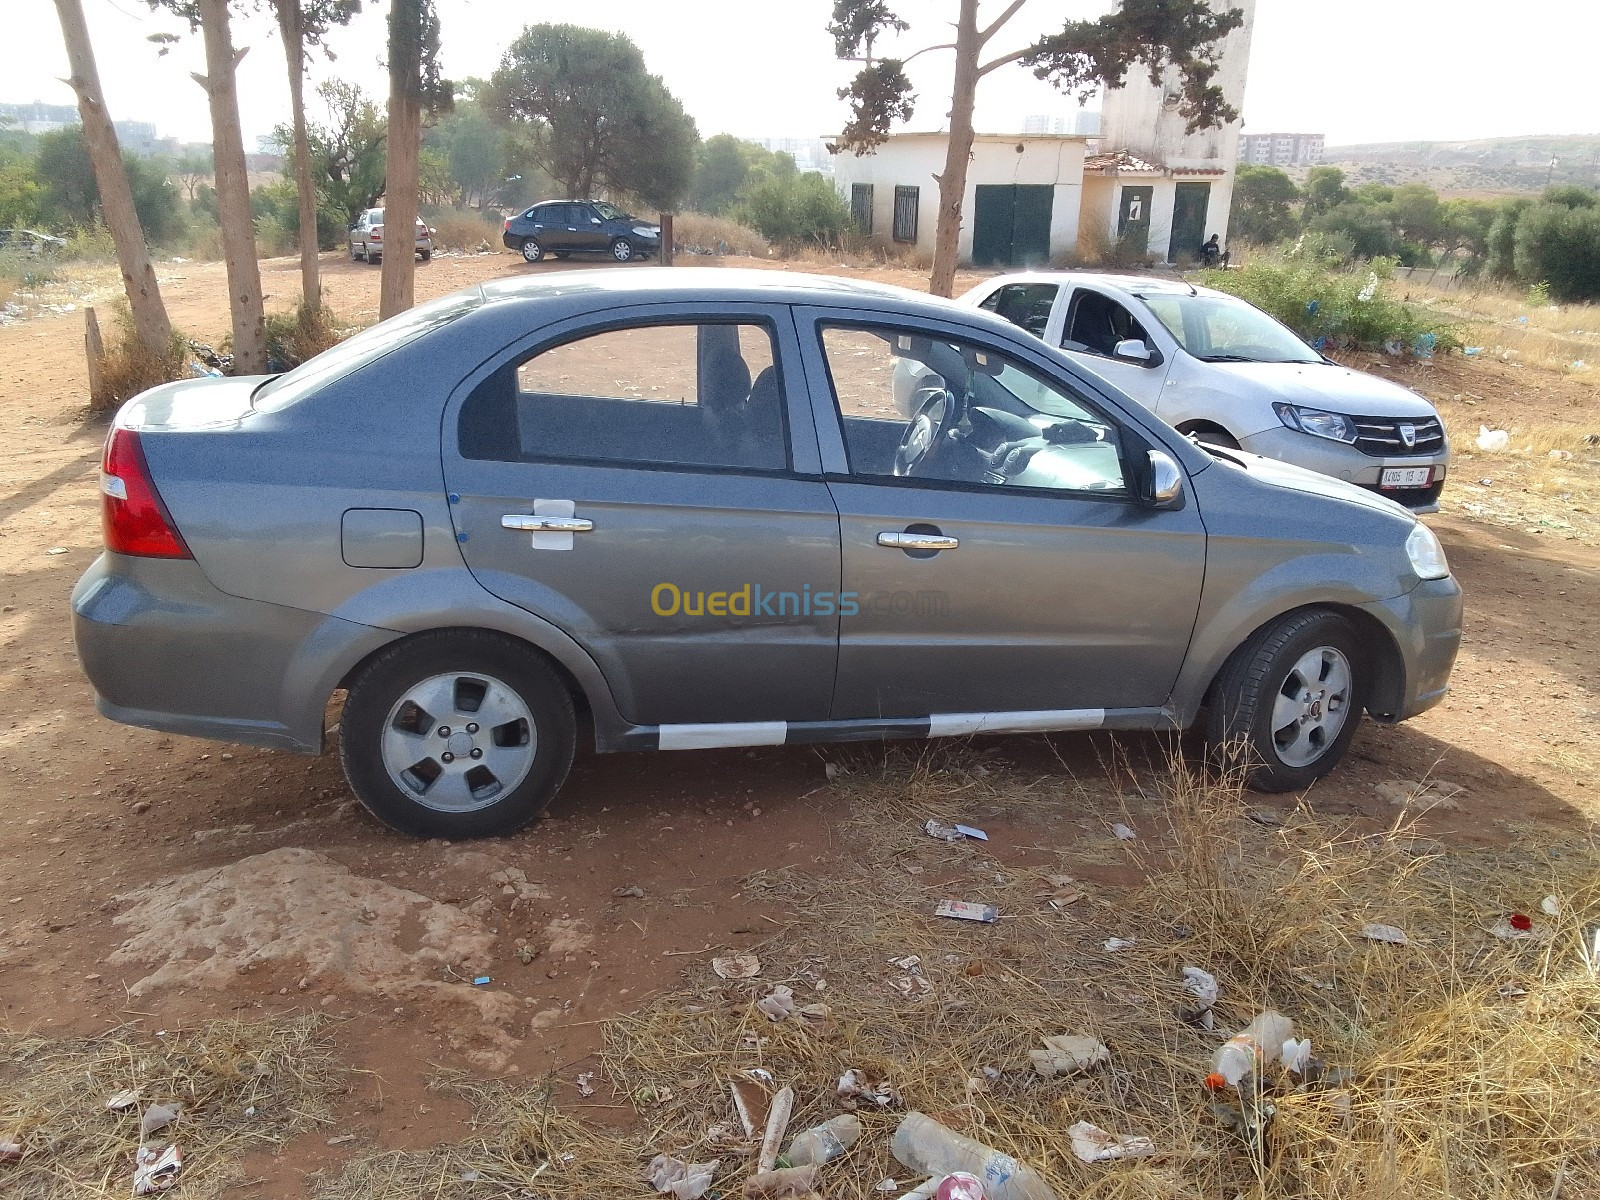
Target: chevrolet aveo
x=680 y=509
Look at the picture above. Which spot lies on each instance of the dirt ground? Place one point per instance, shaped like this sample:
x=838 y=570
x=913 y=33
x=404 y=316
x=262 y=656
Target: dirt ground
x=386 y=934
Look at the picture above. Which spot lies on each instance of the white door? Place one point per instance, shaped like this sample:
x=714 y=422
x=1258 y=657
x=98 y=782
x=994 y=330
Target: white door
x=1093 y=325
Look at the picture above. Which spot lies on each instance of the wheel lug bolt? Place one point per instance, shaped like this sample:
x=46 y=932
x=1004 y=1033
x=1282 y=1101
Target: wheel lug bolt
x=448 y=757
x=472 y=727
x=444 y=731
x=476 y=753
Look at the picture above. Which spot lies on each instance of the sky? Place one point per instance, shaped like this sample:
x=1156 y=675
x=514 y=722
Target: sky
x=1355 y=70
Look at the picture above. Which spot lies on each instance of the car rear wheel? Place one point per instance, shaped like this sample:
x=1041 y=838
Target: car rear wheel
x=1288 y=702
x=622 y=249
x=457 y=734
x=427 y=255
x=355 y=254
x=532 y=251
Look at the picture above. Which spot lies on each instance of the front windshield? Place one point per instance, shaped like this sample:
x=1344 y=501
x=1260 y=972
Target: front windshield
x=609 y=211
x=1223 y=329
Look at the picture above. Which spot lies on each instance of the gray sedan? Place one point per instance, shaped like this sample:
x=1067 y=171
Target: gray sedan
x=679 y=509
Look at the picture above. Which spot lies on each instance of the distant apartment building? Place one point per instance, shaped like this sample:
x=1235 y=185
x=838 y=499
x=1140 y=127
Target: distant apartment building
x=136 y=136
x=1084 y=122
x=810 y=154
x=1281 y=149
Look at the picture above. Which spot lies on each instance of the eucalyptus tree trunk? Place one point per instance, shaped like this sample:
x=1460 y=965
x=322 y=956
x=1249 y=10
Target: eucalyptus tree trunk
x=291 y=28
x=398 y=289
x=958 y=152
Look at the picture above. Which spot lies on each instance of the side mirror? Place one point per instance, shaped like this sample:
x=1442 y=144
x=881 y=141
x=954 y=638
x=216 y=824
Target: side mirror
x=594 y=221
x=1135 y=351
x=1166 y=481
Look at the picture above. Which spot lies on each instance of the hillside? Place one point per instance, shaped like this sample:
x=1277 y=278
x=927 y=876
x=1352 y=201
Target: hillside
x=1494 y=166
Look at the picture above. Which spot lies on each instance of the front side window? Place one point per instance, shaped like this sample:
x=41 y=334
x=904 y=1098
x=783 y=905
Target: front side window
x=687 y=395
x=1096 y=323
x=1025 y=305
x=609 y=212
x=580 y=214
x=916 y=406
x=1222 y=329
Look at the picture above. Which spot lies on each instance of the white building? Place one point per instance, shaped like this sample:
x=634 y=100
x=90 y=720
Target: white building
x=1148 y=188
x=1281 y=149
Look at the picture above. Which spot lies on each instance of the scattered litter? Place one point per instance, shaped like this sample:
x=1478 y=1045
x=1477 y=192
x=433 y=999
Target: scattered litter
x=1510 y=991
x=1517 y=927
x=632 y=890
x=778 y=1004
x=1492 y=441
x=953 y=833
x=342 y=1140
x=1114 y=944
x=1060 y=891
x=913 y=987
x=966 y=910
x=1202 y=985
x=1068 y=1054
x=1433 y=793
x=1550 y=906
x=856 y=1089
x=1123 y=833
x=1269 y=820
x=158 y=1116
x=1561 y=455
x=832 y=770
x=752 y=1099
x=778 y=1114
x=56 y=550
x=122 y=1101
x=911 y=964
x=926 y=1146
x=886 y=1185
x=1391 y=934
x=959 y=1185
x=10 y=1152
x=1472 y=351
x=791 y=1181
x=156 y=1170
x=825 y=1142
x=1259 y=1044
x=481 y=981
x=586 y=1083
x=1296 y=1055
x=1091 y=1144
x=973 y=832
x=737 y=966
x=686 y=1181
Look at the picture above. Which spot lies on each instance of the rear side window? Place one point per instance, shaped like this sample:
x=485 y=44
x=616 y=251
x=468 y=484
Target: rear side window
x=1025 y=305
x=670 y=395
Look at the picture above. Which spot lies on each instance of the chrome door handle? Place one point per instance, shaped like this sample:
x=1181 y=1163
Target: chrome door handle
x=917 y=541
x=531 y=524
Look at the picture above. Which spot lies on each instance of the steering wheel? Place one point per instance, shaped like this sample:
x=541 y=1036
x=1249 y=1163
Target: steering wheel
x=937 y=414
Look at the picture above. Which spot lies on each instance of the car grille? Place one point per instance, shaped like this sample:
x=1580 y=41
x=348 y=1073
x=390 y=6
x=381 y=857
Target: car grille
x=1380 y=436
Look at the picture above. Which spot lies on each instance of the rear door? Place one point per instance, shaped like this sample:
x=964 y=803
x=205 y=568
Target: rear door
x=550 y=226
x=649 y=481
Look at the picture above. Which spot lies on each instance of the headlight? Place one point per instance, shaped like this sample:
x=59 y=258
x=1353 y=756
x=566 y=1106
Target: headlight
x=1426 y=554
x=1316 y=422
x=645 y=231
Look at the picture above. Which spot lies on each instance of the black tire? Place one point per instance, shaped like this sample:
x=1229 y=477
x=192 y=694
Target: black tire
x=622 y=250
x=374 y=259
x=427 y=255
x=384 y=682
x=532 y=251
x=355 y=255
x=1239 y=724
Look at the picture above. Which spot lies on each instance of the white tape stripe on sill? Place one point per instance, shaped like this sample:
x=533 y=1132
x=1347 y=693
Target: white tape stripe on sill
x=723 y=734
x=1039 y=721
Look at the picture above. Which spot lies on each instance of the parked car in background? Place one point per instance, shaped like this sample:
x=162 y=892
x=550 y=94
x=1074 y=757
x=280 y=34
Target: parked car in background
x=366 y=238
x=563 y=227
x=30 y=242
x=1226 y=373
x=678 y=509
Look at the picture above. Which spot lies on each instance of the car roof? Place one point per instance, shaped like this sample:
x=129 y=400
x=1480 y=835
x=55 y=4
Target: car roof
x=715 y=283
x=1132 y=285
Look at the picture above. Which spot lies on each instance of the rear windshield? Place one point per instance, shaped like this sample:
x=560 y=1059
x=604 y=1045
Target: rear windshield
x=355 y=352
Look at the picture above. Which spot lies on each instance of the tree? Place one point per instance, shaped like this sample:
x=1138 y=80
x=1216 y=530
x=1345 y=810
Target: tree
x=1324 y=190
x=414 y=85
x=212 y=19
x=69 y=194
x=1362 y=226
x=473 y=150
x=593 y=117
x=150 y=323
x=303 y=23
x=1416 y=214
x=193 y=169
x=792 y=207
x=1182 y=35
x=1500 y=261
x=1557 y=242
x=1261 y=199
x=19 y=192
x=348 y=155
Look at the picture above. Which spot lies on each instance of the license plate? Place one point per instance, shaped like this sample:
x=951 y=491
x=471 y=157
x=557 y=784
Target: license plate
x=1406 y=477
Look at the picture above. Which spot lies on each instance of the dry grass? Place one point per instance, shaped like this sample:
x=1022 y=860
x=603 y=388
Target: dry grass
x=1473 y=1062
x=53 y=1102
x=698 y=233
x=128 y=367
x=1507 y=325
x=464 y=231
x=303 y=333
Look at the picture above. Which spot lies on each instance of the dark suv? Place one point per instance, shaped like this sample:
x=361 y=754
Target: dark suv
x=563 y=227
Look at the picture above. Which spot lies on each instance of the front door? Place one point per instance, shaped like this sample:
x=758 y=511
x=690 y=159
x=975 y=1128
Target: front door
x=1094 y=323
x=587 y=233
x=1133 y=219
x=1046 y=590
x=635 y=487
x=1189 y=205
x=1011 y=224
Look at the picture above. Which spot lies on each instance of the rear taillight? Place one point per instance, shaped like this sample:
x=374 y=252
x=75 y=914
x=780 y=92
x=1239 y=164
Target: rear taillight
x=375 y=236
x=507 y=228
x=135 y=520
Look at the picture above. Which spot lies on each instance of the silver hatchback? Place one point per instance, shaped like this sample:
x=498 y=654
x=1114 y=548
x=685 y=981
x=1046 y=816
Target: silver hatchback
x=680 y=509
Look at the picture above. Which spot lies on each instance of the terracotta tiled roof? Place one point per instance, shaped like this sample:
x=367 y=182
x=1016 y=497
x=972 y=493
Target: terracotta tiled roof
x=1117 y=160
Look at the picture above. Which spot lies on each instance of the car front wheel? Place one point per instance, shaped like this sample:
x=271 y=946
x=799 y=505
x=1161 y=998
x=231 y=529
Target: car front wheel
x=622 y=249
x=1288 y=702
x=532 y=251
x=457 y=734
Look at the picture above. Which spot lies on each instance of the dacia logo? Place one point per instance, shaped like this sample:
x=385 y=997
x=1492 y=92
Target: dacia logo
x=1408 y=435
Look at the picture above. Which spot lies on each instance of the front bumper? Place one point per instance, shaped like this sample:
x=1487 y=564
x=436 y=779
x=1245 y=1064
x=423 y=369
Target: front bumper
x=166 y=650
x=1426 y=625
x=1328 y=457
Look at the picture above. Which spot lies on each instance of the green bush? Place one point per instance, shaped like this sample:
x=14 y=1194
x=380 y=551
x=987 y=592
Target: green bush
x=795 y=208
x=1331 y=307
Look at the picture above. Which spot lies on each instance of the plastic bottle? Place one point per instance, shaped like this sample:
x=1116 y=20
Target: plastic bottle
x=825 y=1142
x=924 y=1145
x=1257 y=1045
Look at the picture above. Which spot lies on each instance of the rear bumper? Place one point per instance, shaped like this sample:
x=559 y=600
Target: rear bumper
x=166 y=650
x=1333 y=458
x=1426 y=625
